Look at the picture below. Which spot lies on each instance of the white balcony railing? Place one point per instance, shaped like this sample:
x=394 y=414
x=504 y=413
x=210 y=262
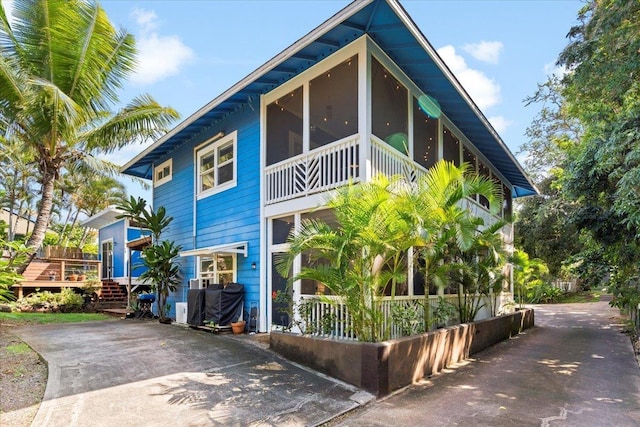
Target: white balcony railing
x=388 y=161
x=338 y=163
x=322 y=169
x=329 y=317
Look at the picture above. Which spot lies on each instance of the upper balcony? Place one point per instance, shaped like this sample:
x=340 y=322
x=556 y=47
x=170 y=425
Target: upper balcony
x=338 y=163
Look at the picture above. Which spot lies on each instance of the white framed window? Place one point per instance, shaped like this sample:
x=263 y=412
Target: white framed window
x=216 y=166
x=218 y=268
x=162 y=173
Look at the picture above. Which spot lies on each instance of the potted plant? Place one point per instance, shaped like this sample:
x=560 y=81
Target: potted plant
x=73 y=276
x=238 y=327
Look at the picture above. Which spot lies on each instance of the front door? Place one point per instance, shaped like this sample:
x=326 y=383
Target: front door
x=107 y=260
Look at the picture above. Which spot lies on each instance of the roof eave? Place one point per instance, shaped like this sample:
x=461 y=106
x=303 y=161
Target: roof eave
x=259 y=72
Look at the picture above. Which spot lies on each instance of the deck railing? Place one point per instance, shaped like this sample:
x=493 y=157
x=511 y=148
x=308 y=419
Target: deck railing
x=319 y=170
x=329 y=317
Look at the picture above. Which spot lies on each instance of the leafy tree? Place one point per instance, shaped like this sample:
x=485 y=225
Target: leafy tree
x=527 y=273
x=61 y=64
x=163 y=272
x=377 y=222
x=546 y=227
x=553 y=133
x=360 y=256
x=160 y=258
x=603 y=175
x=11 y=255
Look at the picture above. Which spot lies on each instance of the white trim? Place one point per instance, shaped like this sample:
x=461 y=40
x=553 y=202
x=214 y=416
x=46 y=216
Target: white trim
x=227 y=248
x=212 y=145
x=160 y=168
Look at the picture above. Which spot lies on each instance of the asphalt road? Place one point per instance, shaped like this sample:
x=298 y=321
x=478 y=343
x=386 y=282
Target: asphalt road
x=575 y=368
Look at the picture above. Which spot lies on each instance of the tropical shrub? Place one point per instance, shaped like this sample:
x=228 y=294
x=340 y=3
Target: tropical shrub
x=12 y=254
x=365 y=253
x=541 y=292
x=66 y=300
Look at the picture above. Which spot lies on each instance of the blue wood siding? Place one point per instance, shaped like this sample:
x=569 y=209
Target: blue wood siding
x=116 y=232
x=226 y=217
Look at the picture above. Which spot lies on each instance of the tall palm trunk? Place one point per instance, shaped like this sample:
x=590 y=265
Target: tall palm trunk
x=34 y=243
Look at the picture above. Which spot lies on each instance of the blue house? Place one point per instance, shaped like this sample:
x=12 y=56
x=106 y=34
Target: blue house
x=119 y=244
x=362 y=94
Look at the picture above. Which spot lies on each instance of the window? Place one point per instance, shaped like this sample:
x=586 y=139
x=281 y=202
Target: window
x=281 y=229
x=389 y=110
x=162 y=173
x=218 y=268
x=217 y=166
x=333 y=104
x=284 y=127
x=425 y=137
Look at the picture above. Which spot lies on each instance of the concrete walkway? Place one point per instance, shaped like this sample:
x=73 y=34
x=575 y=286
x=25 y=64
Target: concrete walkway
x=141 y=373
x=574 y=369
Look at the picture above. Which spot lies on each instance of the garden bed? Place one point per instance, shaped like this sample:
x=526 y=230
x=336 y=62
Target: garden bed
x=381 y=368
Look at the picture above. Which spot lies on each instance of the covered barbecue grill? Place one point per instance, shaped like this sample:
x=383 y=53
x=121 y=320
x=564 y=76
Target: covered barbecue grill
x=220 y=304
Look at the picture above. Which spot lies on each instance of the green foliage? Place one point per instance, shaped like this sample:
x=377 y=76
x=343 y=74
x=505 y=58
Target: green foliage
x=588 y=220
x=541 y=292
x=60 y=71
x=444 y=312
x=526 y=274
x=376 y=223
x=12 y=254
x=64 y=301
x=408 y=317
x=163 y=271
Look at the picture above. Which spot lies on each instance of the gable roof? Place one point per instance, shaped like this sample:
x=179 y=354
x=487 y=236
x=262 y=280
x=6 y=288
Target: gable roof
x=389 y=25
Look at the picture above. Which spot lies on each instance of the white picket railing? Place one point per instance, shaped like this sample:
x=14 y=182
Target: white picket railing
x=319 y=170
x=329 y=316
x=388 y=161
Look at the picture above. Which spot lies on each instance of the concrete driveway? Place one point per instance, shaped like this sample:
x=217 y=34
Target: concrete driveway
x=575 y=368
x=141 y=373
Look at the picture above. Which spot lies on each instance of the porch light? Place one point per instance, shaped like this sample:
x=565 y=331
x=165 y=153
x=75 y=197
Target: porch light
x=253 y=265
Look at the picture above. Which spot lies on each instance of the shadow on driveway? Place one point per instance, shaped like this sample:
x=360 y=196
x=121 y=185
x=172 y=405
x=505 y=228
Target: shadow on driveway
x=121 y=373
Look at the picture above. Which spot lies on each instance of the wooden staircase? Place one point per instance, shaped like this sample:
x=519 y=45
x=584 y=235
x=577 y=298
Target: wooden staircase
x=112 y=295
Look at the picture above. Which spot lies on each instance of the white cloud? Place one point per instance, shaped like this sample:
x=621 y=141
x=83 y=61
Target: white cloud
x=159 y=56
x=146 y=19
x=484 y=91
x=485 y=51
x=499 y=123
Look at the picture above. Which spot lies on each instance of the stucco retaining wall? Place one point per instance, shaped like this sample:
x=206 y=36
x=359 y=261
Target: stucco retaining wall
x=381 y=368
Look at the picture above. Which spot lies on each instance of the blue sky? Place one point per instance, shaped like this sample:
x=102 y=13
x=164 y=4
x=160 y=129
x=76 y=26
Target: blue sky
x=191 y=51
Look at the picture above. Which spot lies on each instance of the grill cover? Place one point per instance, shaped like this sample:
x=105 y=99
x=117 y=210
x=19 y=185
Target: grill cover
x=195 y=307
x=223 y=306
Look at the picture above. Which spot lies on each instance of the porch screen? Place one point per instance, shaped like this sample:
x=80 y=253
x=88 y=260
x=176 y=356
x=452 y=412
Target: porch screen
x=333 y=104
x=284 y=127
x=389 y=108
x=425 y=137
x=450 y=147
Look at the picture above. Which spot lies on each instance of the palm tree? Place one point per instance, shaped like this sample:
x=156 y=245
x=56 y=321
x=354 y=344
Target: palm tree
x=440 y=203
x=61 y=64
x=360 y=256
